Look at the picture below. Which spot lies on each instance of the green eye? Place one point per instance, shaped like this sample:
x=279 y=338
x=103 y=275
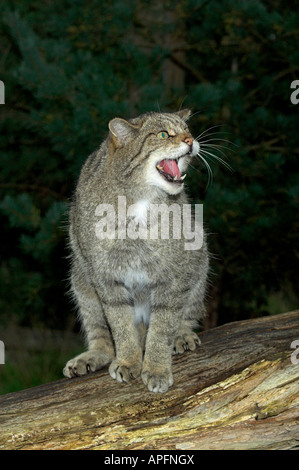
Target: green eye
x=163 y=135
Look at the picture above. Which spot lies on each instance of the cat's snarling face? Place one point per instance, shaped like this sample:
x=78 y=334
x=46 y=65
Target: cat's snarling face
x=153 y=149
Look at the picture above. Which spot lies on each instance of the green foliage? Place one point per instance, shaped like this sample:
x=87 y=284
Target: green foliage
x=31 y=368
x=70 y=66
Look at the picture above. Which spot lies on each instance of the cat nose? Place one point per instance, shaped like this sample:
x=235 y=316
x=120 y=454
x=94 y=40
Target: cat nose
x=189 y=140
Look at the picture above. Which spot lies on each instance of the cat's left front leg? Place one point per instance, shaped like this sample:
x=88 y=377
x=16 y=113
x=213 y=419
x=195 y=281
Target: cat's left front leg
x=157 y=363
x=128 y=361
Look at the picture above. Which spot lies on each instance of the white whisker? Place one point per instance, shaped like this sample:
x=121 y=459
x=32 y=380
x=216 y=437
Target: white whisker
x=217 y=139
x=219 y=159
x=209 y=145
x=216 y=147
x=210 y=180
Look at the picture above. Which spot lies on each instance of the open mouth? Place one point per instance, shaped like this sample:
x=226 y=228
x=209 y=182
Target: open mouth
x=170 y=171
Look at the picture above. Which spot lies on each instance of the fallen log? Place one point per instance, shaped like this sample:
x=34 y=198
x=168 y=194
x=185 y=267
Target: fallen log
x=238 y=390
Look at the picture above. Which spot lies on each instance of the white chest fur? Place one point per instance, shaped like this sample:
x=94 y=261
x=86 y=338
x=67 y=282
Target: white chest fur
x=136 y=282
x=139 y=211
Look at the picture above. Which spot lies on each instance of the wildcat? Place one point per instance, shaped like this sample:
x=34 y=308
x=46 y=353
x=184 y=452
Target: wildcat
x=138 y=299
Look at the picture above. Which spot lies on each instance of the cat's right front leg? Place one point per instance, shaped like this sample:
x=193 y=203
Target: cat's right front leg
x=128 y=361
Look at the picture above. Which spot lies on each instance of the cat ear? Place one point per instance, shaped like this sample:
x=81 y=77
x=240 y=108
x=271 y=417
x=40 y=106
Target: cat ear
x=122 y=131
x=184 y=114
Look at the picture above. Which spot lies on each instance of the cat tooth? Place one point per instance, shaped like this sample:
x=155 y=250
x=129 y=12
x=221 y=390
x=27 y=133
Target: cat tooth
x=183 y=177
x=159 y=167
x=175 y=178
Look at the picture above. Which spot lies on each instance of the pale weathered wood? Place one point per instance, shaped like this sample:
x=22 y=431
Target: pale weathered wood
x=239 y=390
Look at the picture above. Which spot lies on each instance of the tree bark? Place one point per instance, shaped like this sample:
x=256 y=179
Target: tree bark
x=238 y=390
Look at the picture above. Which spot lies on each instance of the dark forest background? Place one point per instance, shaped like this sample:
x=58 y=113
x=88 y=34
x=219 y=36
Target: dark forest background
x=70 y=66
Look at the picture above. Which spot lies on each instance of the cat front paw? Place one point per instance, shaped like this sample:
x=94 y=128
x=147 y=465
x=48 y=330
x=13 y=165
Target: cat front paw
x=157 y=380
x=85 y=363
x=187 y=341
x=124 y=371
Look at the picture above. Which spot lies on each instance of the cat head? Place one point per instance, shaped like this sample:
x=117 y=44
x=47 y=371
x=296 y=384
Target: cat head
x=153 y=149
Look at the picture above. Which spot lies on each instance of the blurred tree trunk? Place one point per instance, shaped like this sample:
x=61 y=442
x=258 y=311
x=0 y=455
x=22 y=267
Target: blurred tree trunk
x=162 y=26
x=173 y=41
x=239 y=390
